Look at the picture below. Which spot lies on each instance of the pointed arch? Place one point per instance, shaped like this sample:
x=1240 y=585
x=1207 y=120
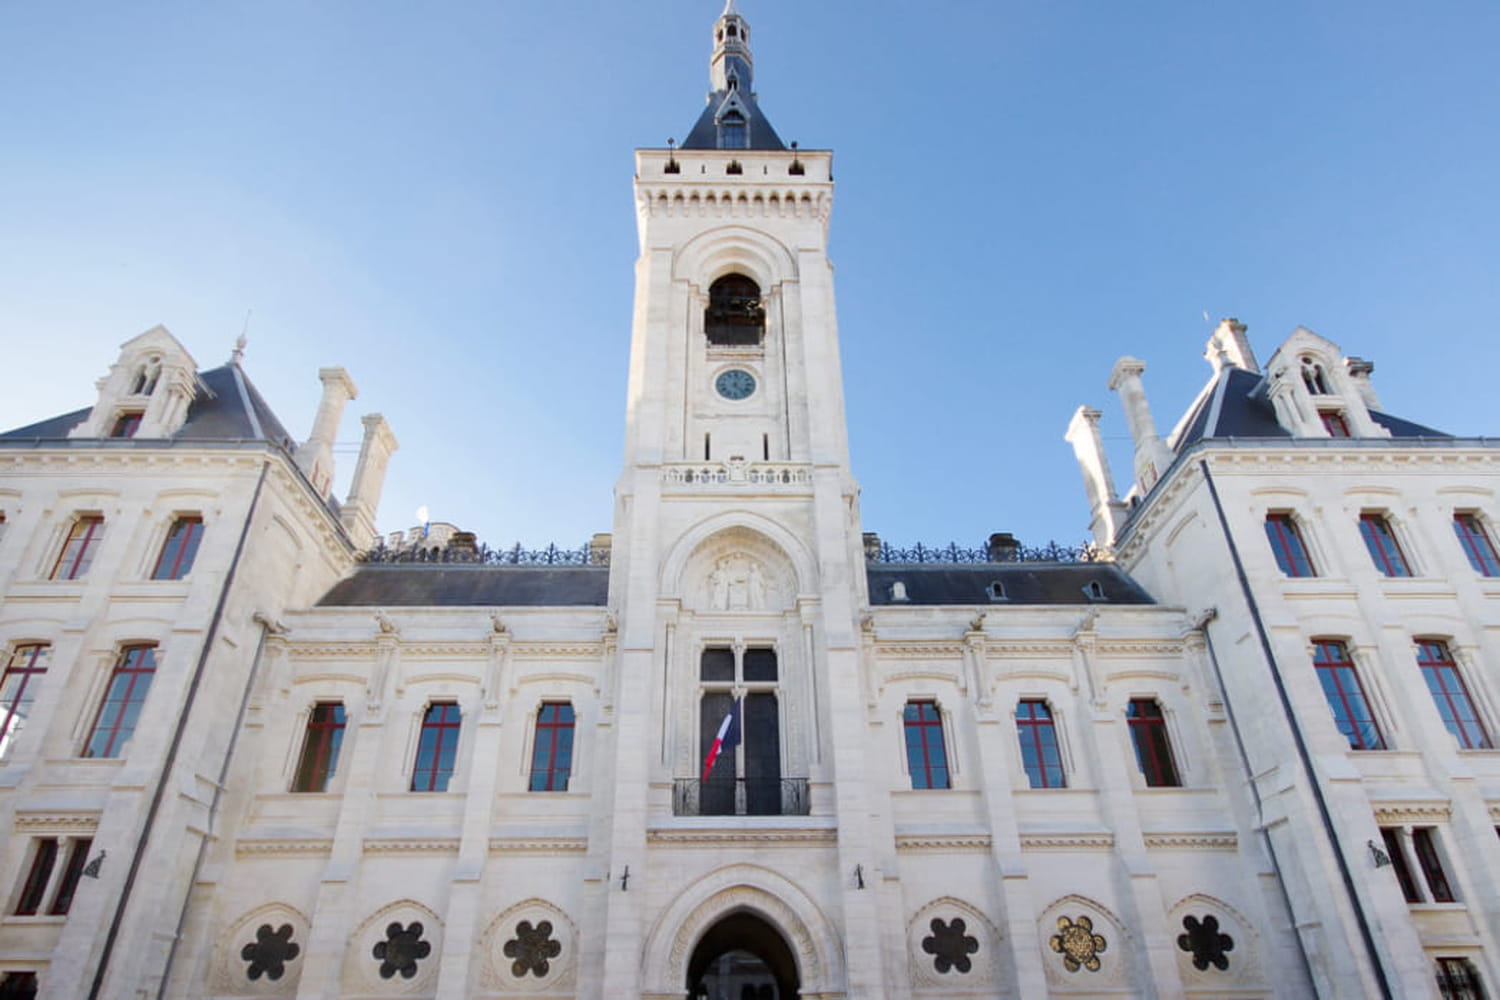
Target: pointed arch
x=776 y=537
x=743 y=888
x=715 y=253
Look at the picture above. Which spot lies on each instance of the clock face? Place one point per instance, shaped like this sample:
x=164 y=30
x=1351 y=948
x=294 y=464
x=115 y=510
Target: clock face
x=735 y=383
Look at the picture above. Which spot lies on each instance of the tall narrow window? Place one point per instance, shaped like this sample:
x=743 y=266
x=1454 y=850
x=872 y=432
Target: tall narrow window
x=1424 y=841
x=1451 y=694
x=34 y=889
x=745 y=780
x=1040 y=755
x=1334 y=423
x=320 y=748
x=1286 y=543
x=128 y=686
x=552 y=753
x=1476 y=543
x=78 y=856
x=1153 y=750
x=79 y=547
x=1391 y=836
x=1346 y=696
x=23 y=675
x=437 y=749
x=180 y=548
x=126 y=424
x=1380 y=539
x=735 y=316
x=926 y=756
x=1457 y=979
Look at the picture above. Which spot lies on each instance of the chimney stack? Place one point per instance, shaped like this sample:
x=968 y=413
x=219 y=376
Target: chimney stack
x=358 y=511
x=315 y=457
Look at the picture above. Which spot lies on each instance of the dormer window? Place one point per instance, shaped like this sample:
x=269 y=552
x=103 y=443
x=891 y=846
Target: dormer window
x=126 y=424
x=996 y=591
x=734 y=132
x=1095 y=591
x=1312 y=377
x=1334 y=423
x=735 y=316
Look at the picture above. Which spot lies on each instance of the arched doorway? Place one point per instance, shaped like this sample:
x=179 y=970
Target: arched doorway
x=742 y=957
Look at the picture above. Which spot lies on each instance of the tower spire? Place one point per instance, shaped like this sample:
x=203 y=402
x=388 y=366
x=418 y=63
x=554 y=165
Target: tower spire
x=733 y=119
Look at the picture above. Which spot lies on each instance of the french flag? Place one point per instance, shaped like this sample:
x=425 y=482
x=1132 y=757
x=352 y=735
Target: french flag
x=727 y=739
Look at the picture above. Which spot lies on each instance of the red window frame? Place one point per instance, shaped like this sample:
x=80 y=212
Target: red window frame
x=1287 y=545
x=34 y=889
x=1392 y=838
x=180 y=548
x=1458 y=980
x=78 y=548
x=437 y=747
x=320 y=747
x=1041 y=756
x=1476 y=542
x=78 y=856
x=926 y=752
x=1334 y=423
x=552 y=751
x=126 y=424
x=1380 y=538
x=1346 y=695
x=1423 y=841
x=1451 y=694
x=27 y=664
x=1153 y=747
x=129 y=684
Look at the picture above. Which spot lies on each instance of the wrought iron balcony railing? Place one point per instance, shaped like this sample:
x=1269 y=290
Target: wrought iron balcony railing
x=740 y=797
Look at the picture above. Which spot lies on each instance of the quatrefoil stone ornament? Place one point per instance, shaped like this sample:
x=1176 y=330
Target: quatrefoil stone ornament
x=1079 y=946
x=1203 y=939
x=402 y=948
x=532 y=948
x=269 y=952
x=949 y=946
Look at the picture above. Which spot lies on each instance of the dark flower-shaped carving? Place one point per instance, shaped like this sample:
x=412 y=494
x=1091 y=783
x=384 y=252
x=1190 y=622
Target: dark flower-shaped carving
x=269 y=952
x=949 y=946
x=531 y=949
x=1079 y=946
x=401 y=950
x=1205 y=942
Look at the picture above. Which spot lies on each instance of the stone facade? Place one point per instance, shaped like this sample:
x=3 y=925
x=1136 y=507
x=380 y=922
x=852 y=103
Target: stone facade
x=265 y=759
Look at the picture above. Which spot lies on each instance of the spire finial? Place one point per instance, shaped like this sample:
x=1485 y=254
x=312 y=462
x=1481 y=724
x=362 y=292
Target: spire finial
x=729 y=9
x=238 y=354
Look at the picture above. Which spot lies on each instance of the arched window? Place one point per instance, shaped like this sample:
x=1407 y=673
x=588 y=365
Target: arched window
x=735 y=316
x=1312 y=377
x=734 y=133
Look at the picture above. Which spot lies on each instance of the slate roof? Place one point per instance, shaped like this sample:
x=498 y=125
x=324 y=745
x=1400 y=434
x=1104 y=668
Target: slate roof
x=1023 y=583
x=227 y=407
x=705 y=133
x=1230 y=407
x=405 y=586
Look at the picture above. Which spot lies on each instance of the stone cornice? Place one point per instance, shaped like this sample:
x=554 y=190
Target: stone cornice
x=1398 y=812
x=287 y=847
x=66 y=821
x=1194 y=841
x=930 y=649
x=538 y=845
x=478 y=650
x=779 y=837
x=943 y=843
x=1067 y=841
x=410 y=845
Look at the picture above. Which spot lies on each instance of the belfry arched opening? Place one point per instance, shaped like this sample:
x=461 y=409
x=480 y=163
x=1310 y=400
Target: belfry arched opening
x=742 y=957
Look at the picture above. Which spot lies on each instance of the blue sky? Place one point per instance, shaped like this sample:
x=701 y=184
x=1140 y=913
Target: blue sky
x=438 y=197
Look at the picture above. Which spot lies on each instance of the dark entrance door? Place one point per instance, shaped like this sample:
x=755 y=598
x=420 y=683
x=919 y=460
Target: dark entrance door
x=742 y=957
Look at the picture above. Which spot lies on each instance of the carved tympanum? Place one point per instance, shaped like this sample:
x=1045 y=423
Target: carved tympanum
x=949 y=946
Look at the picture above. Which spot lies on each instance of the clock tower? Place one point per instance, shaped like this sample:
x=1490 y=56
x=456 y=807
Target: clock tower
x=737 y=565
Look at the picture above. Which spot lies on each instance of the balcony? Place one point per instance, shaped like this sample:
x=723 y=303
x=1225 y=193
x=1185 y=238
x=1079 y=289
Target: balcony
x=740 y=797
